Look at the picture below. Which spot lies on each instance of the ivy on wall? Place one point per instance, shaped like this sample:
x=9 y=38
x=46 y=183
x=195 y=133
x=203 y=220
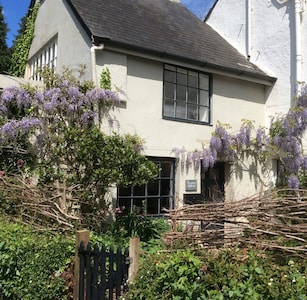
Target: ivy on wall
x=22 y=45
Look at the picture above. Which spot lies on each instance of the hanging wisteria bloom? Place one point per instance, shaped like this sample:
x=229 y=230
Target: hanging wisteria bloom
x=293 y=182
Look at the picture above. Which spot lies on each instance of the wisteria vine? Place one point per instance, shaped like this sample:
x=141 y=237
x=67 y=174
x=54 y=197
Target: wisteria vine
x=283 y=141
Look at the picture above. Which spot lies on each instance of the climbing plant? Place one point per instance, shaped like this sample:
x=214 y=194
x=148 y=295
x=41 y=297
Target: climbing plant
x=56 y=134
x=282 y=141
x=22 y=44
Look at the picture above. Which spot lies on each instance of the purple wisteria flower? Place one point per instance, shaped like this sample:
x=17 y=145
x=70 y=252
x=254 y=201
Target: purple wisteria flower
x=15 y=95
x=293 y=182
x=14 y=127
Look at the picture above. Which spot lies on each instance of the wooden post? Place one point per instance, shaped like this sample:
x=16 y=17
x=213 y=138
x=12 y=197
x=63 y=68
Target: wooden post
x=134 y=253
x=81 y=236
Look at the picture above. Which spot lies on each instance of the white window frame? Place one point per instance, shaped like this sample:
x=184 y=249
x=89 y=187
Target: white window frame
x=45 y=58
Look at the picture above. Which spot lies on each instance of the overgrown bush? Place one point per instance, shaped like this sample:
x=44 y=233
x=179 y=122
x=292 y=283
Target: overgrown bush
x=227 y=274
x=142 y=226
x=32 y=264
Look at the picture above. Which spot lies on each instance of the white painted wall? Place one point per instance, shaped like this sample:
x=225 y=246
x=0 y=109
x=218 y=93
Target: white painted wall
x=233 y=100
x=272 y=42
x=55 y=19
x=142 y=82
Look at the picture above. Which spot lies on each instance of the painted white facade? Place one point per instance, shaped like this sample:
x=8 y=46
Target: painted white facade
x=233 y=100
x=266 y=31
x=141 y=80
x=73 y=44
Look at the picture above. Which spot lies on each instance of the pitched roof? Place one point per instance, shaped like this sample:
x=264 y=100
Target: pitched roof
x=163 y=28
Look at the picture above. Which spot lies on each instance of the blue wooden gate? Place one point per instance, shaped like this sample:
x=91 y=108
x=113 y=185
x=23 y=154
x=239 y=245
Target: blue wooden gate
x=103 y=273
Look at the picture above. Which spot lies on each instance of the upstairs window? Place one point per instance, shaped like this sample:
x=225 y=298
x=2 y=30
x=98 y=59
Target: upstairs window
x=186 y=95
x=46 y=58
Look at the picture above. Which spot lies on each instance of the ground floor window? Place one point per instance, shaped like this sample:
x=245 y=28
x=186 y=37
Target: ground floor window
x=154 y=197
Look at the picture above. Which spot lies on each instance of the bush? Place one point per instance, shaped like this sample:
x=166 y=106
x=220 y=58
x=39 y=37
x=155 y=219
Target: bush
x=142 y=226
x=32 y=264
x=228 y=274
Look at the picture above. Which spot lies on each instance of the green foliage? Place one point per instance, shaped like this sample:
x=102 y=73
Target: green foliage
x=227 y=274
x=168 y=276
x=23 y=43
x=95 y=161
x=4 y=50
x=105 y=79
x=32 y=264
x=144 y=227
x=57 y=133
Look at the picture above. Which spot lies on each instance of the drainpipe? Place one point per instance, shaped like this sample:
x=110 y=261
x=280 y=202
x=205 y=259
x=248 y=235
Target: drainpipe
x=93 y=59
x=248 y=29
x=298 y=46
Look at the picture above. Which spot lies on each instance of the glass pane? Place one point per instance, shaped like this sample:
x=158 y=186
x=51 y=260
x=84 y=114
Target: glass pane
x=124 y=205
x=204 y=82
x=164 y=203
x=153 y=206
x=166 y=169
x=192 y=95
x=168 y=109
x=193 y=79
x=203 y=114
x=153 y=188
x=180 y=110
x=138 y=206
x=192 y=112
x=171 y=68
x=139 y=190
x=124 y=191
x=181 y=93
x=170 y=76
x=204 y=98
x=169 y=91
x=165 y=187
x=182 y=76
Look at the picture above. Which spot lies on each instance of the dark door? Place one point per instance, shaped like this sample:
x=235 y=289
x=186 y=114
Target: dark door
x=213 y=181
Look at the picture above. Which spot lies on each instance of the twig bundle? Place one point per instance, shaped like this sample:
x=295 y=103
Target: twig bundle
x=275 y=220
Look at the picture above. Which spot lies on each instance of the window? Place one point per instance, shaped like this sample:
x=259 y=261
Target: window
x=46 y=58
x=154 y=196
x=186 y=95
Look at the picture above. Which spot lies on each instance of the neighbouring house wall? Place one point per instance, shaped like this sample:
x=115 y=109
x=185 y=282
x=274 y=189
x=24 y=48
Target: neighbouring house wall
x=232 y=101
x=272 y=43
x=73 y=43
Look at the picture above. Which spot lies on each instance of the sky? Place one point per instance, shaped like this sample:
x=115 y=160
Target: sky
x=15 y=10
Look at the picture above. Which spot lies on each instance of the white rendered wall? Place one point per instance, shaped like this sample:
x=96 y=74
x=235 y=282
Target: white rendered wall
x=272 y=42
x=232 y=101
x=55 y=19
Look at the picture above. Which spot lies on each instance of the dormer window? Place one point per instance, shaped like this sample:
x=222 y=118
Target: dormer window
x=45 y=58
x=186 y=95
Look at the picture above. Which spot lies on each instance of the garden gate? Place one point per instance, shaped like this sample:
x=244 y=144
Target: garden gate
x=103 y=273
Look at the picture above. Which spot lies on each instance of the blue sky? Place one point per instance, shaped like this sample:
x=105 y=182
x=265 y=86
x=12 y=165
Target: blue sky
x=14 y=10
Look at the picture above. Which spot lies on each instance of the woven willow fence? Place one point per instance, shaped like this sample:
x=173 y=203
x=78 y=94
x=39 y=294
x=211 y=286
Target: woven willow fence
x=276 y=220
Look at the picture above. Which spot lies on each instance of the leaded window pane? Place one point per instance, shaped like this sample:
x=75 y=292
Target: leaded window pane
x=190 y=94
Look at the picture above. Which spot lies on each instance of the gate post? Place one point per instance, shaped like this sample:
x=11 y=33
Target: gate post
x=81 y=236
x=134 y=253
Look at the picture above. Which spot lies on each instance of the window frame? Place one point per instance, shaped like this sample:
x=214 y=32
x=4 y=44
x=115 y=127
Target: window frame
x=147 y=196
x=187 y=102
x=45 y=57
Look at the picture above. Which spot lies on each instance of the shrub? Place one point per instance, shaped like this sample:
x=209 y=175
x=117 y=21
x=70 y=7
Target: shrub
x=32 y=264
x=227 y=274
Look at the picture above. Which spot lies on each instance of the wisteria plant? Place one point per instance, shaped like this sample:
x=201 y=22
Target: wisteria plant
x=56 y=134
x=282 y=141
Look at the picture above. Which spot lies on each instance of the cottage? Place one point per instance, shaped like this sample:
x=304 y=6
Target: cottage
x=178 y=77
